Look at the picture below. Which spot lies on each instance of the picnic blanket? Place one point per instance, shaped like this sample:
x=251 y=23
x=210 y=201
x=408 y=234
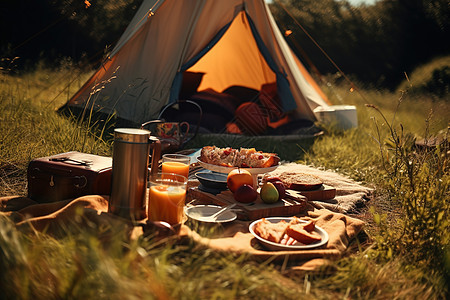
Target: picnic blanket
x=349 y=193
x=91 y=213
x=341 y=229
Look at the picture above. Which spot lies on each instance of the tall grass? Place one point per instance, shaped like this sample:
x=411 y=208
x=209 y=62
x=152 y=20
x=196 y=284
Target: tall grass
x=410 y=216
x=406 y=255
x=30 y=128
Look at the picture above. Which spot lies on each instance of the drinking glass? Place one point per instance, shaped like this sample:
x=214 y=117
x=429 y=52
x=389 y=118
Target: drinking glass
x=167 y=196
x=176 y=163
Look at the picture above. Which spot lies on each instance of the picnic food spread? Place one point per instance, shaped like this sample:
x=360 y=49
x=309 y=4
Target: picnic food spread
x=276 y=226
x=283 y=194
x=243 y=158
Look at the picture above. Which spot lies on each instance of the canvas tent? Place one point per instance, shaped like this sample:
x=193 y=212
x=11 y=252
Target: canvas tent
x=227 y=43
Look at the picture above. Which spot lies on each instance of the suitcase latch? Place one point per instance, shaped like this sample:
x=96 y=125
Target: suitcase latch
x=83 y=181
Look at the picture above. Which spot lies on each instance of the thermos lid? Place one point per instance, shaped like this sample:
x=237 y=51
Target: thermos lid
x=131 y=135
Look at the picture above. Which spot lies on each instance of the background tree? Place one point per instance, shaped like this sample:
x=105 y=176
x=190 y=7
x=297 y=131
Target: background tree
x=375 y=44
x=51 y=30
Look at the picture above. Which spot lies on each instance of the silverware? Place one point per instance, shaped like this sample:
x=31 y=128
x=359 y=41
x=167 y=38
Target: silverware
x=214 y=216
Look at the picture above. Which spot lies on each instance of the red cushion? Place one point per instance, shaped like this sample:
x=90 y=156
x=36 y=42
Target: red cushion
x=270 y=101
x=250 y=118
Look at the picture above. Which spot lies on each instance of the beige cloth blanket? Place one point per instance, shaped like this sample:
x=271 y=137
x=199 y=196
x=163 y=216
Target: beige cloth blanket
x=341 y=230
x=90 y=213
x=328 y=214
x=61 y=217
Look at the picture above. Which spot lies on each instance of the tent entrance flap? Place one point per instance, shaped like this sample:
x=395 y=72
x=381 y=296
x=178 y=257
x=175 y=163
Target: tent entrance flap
x=234 y=60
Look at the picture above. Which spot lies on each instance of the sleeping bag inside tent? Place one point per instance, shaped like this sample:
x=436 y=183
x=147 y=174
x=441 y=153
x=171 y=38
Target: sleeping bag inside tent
x=222 y=66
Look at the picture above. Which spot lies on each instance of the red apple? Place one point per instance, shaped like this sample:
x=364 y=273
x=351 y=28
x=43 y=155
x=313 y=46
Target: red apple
x=271 y=179
x=237 y=178
x=281 y=189
x=245 y=194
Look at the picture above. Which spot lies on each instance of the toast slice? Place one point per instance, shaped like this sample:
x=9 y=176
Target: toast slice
x=299 y=233
x=288 y=233
x=300 y=181
x=273 y=232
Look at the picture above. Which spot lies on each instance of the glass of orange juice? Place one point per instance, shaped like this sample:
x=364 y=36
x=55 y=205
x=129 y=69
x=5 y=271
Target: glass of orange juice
x=176 y=163
x=167 y=197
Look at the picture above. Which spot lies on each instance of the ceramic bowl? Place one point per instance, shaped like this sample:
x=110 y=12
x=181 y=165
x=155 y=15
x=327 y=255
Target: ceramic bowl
x=212 y=180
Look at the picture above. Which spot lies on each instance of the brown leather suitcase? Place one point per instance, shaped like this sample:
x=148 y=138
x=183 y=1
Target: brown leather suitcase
x=68 y=175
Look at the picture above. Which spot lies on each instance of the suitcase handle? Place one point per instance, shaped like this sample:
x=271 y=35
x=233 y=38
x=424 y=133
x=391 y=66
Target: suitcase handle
x=55 y=169
x=84 y=162
x=80 y=181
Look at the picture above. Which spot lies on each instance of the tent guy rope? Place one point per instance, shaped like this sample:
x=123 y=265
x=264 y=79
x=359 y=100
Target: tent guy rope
x=353 y=86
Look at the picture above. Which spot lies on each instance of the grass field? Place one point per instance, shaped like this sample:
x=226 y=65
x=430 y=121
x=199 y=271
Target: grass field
x=405 y=255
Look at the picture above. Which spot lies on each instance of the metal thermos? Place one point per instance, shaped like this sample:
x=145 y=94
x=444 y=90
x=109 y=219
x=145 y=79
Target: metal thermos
x=130 y=171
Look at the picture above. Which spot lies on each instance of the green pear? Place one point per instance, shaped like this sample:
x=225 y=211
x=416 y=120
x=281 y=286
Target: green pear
x=269 y=193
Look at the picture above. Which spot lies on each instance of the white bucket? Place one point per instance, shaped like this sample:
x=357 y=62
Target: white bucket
x=340 y=116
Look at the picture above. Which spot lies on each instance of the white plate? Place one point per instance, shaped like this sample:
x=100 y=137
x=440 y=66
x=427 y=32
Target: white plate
x=226 y=170
x=298 y=246
x=200 y=212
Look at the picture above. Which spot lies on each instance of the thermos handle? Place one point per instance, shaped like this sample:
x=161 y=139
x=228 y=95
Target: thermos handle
x=155 y=147
x=151 y=122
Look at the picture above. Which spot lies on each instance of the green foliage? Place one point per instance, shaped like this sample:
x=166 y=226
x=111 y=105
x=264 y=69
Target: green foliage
x=432 y=78
x=375 y=43
x=30 y=128
x=440 y=82
x=51 y=30
x=419 y=181
x=410 y=212
x=100 y=20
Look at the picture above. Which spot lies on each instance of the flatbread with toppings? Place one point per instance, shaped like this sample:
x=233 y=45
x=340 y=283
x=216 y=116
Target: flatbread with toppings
x=243 y=158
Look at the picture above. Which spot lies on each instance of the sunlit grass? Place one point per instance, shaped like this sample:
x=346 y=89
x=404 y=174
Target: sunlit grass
x=35 y=265
x=30 y=127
